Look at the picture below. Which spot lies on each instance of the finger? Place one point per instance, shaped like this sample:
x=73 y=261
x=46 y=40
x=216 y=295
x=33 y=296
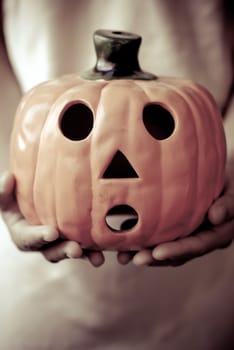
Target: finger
x=25 y=235
x=7 y=183
x=222 y=210
x=125 y=257
x=96 y=258
x=197 y=245
x=143 y=257
x=63 y=250
x=31 y=237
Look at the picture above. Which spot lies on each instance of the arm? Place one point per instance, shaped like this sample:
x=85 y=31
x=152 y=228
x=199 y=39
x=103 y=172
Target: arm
x=9 y=98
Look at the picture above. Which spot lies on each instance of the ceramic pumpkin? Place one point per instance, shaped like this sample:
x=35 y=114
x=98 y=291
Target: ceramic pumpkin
x=118 y=159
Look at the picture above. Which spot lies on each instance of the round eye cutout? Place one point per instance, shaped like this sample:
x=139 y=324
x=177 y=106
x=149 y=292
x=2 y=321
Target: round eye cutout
x=158 y=121
x=76 y=122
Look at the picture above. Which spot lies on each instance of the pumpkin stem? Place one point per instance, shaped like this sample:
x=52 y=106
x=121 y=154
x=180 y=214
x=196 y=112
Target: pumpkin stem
x=117 y=57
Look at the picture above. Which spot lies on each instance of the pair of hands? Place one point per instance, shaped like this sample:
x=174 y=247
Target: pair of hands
x=216 y=233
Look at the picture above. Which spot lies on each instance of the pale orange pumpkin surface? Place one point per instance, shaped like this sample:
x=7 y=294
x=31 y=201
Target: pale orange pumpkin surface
x=148 y=154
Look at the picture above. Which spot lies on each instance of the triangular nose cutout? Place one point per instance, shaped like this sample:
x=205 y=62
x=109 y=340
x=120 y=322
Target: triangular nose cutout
x=119 y=168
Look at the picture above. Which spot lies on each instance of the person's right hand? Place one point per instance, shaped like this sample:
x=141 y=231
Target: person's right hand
x=45 y=239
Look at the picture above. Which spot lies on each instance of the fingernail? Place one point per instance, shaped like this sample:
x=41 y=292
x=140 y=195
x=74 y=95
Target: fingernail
x=160 y=255
x=73 y=250
x=139 y=260
x=49 y=234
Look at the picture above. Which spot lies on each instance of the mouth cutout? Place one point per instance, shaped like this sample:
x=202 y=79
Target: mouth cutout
x=121 y=218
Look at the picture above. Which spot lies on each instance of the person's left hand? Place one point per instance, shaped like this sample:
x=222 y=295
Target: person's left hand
x=39 y=238
x=216 y=233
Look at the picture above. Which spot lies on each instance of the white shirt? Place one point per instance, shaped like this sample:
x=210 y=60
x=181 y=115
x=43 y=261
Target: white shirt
x=71 y=305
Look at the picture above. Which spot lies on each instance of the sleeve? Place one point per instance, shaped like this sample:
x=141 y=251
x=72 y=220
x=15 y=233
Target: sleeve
x=228 y=110
x=9 y=98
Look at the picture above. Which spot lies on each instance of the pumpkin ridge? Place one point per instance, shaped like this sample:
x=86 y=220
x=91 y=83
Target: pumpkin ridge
x=169 y=83
x=211 y=125
x=38 y=164
x=183 y=93
x=102 y=89
x=38 y=146
x=17 y=130
x=35 y=169
x=209 y=102
x=82 y=234
x=143 y=86
x=166 y=82
x=29 y=96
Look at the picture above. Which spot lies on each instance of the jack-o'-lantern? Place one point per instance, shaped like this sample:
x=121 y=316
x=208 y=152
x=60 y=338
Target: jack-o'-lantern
x=118 y=159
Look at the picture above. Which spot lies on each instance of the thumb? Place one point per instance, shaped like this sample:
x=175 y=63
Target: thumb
x=222 y=209
x=7 y=184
